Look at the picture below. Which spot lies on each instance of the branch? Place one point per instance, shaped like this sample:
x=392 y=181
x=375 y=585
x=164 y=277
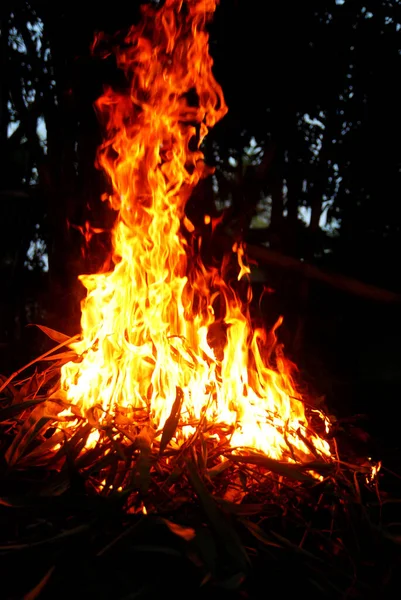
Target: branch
x=342 y=282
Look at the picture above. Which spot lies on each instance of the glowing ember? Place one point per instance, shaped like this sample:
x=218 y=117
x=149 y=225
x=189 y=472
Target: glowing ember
x=163 y=335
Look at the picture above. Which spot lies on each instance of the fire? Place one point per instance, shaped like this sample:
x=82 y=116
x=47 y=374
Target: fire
x=163 y=334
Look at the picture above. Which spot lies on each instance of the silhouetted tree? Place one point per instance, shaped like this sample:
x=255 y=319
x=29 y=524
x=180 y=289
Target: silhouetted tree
x=307 y=159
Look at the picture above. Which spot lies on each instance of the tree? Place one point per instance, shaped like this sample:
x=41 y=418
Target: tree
x=311 y=136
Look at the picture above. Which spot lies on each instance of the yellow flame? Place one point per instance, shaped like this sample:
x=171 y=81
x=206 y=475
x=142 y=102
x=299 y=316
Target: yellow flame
x=161 y=320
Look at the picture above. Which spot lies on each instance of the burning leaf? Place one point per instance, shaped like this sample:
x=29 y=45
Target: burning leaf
x=58 y=337
x=31 y=386
x=16 y=409
x=7 y=387
x=74 y=445
x=186 y=533
x=7 y=382
x=37 y=590
x=234 y=494
x=287 y=469
x=171 y=423
x=35 y=425
x=116 y=445
x=62 y=357
x=144 y=462
x=219 y=468
x=43 y=450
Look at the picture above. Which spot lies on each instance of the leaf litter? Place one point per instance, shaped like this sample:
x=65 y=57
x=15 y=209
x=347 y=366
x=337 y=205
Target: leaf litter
x=253 y=507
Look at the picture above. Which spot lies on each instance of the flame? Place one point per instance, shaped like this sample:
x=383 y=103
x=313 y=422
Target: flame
x=163 y=333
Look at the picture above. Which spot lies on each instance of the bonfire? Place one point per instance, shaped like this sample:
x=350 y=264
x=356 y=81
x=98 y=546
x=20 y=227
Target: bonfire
x=167 y=351
x=170 y=395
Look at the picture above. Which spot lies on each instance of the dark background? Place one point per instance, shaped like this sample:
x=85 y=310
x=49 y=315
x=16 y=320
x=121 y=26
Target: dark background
x=307 y=164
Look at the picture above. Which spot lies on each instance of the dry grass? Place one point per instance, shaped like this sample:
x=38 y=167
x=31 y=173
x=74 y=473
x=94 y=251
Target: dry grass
x=138 y=517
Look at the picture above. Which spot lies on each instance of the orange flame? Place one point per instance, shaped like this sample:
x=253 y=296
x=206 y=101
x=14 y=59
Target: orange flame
x=162 y=333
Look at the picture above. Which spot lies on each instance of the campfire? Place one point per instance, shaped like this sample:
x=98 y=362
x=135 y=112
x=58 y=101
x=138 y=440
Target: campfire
x=168 y=353
x=170 y=389
x=168 y=358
